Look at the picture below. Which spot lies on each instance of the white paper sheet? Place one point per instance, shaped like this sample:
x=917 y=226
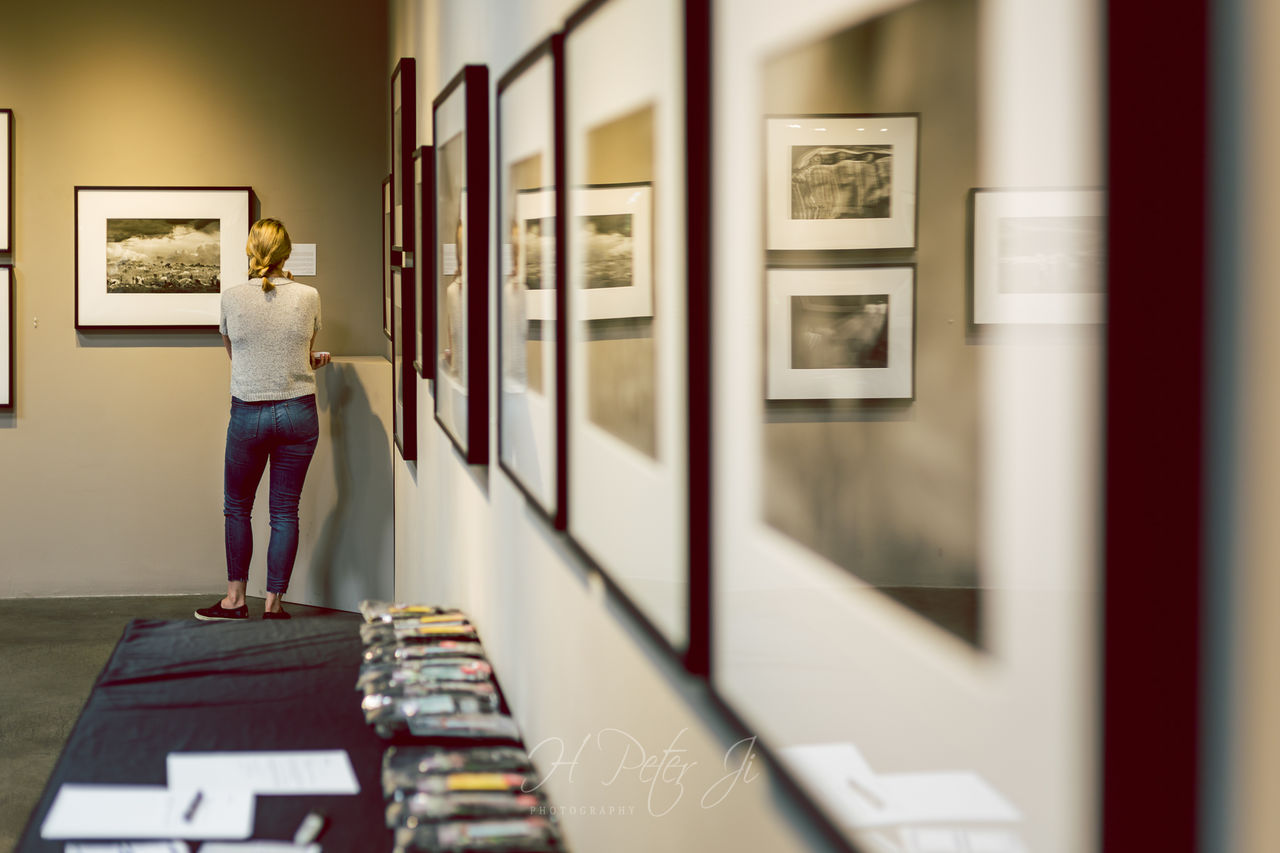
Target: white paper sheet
x=129 y=847
x=862 y=798
x=302 y=260
x=147 y=811
x=301 y=772
x=258 y=847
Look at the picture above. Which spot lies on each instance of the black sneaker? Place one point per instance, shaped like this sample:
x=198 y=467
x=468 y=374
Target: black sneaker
x=282 y=614
x=218 y=613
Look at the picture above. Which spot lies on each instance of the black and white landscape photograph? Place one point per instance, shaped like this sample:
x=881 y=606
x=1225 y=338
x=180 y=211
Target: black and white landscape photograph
x=610 y=250
x=835 y=331
x=164 y=255
x=535 y=232
x=1051 y=254
x=841 y=181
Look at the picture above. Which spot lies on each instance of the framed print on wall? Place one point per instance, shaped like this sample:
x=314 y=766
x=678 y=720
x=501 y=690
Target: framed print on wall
x=6 y=338
x=386 y=256
x=460 y=125
x=6 y=181
x=158 y=257
x=615 y=227
x=1039 y=256
x=835 y=182
x=423 y=261
x=845 y=333
x=404 y=123
x=530 y=289
x=627 y=137
x=406 y=397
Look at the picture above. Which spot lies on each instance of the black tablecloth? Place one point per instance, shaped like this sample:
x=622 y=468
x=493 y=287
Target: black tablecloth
x=195 y=686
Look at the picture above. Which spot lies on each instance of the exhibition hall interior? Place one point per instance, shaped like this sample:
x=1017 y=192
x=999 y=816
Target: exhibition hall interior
x=725 y=425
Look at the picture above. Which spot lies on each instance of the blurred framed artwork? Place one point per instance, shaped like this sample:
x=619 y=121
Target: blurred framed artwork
x=629 y=296
x=1039 y=255
x=404 y=123
x=614 y=225
x=835 y=182
x=460 y=126
x=6 y=338
x=845 y=333
x=530 y=304
x=423 y=261
x=6 y=181
x=386 y=256
x=158 y=257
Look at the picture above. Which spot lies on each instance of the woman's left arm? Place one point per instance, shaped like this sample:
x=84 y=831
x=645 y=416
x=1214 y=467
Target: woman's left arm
x=226 y=342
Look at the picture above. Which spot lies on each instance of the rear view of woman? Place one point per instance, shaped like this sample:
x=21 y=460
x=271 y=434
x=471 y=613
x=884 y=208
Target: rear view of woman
x=268 y=327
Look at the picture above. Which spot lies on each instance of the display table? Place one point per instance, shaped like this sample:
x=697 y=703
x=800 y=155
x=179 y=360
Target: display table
x=195 y=686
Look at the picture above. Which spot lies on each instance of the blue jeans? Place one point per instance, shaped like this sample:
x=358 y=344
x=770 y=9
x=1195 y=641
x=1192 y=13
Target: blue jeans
x=283 y=432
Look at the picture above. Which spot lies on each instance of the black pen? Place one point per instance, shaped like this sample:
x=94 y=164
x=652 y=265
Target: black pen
x=191 y=809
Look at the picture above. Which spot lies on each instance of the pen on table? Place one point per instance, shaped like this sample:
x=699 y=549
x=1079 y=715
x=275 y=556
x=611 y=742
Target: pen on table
x=191 y=809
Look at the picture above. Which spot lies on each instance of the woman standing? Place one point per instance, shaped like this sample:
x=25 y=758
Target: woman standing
x=268 y=327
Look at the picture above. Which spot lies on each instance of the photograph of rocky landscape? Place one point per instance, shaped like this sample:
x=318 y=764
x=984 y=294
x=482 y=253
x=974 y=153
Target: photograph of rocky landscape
x=164 y=255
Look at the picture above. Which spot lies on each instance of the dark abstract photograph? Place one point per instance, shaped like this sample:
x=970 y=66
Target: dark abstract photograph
x=839 y=331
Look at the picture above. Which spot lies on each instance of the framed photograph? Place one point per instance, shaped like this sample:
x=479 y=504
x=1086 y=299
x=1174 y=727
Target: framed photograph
x=7 y=371
x=6 y=181
x=614 y=225
x=460 y=124
x=835 y=182
x=404 y=124
x=158 y=257
x=386 y=256
x=530 y=291
x=628 y=141
x=405 y=377
x=423 y=261
x=846 y=333
x=1039 y=256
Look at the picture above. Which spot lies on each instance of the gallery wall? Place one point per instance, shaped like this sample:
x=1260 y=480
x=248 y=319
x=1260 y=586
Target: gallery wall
x=112 y=457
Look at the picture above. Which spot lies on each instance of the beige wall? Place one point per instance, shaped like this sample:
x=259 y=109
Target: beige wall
x=111 y=463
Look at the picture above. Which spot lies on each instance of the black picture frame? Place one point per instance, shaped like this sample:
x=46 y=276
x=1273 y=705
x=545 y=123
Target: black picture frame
x=462 y=383
x=405 y=378
x=8 y=328
x=404 y=122
x=551 y=503
x=386 y=256
x=424 y=260
x=178 y=305
x=684 y=634
x=6 y=174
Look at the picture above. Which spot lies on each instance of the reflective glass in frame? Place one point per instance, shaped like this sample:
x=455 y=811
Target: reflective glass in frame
x=934 y=555
x=627 y=392
x=528 y=291
x=461 y=134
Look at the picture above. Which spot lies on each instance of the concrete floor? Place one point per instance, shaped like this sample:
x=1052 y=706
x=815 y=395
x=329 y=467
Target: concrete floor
x=51 y=651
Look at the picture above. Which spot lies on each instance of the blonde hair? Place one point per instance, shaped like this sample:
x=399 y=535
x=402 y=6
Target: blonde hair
x=268 y=246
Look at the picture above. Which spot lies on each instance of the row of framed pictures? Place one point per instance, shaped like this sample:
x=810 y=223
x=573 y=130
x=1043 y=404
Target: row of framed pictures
x=6 y=269
x=592 y=290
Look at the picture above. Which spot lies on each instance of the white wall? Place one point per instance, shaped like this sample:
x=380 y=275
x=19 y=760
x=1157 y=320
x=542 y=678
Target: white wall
x=574 y=667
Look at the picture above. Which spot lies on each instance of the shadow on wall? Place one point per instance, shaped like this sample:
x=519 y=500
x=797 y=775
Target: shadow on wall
x=353 y=557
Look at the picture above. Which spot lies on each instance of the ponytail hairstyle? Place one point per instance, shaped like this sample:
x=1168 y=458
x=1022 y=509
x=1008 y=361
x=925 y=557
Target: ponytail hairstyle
x=268 y=247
